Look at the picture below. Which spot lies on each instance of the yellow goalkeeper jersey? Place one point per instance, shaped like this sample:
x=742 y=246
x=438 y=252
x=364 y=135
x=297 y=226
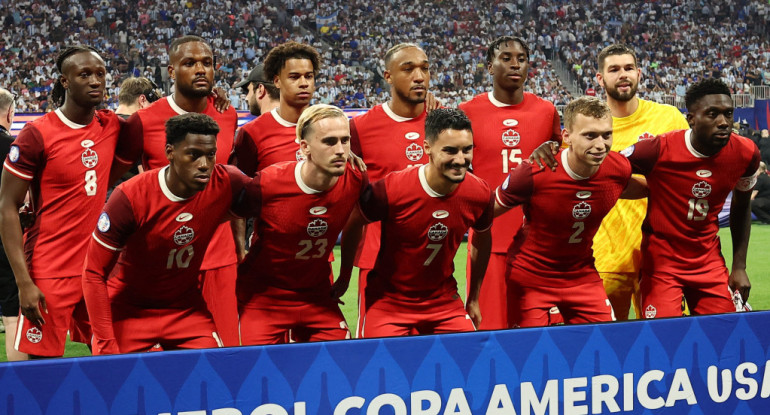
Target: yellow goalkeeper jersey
x=616 y=244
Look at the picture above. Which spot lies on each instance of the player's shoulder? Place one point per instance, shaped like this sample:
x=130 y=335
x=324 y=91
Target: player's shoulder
x=658 y=108
x=373 y=114
x=280 y=169
x=229 y=114
x=476 y=182
x=745 y=145
x=160 y=109
x=531 y=99
x=479 y=100
x=106 y=117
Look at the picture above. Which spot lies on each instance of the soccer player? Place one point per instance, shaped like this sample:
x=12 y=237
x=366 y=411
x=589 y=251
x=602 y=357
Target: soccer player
x=64 y=158
x=551 y=262
x=191 y=66
x=160 y=224
x=425 y=212
x=689 y=174
x=261 y=95
x=390 y=137
x=135 y=93
x=617 y=244
x=508 y=124
x=283 y=284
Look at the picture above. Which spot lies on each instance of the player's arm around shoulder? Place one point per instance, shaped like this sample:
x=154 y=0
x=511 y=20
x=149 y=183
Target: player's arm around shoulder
x=351 y=238
x=635 y=185
x=516 y=189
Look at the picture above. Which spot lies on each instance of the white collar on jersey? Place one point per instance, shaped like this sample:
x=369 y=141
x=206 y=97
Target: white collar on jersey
x=298 y=178
x=495 y=101
x=425 y=185
x=177 y=109
x=164 y=187
x=67 y=121
x=281 y=120
x=395 y=117
x=688 y=143
x=569 y=171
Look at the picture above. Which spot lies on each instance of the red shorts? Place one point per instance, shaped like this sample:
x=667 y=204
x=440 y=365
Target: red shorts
x=66 y=312
x=706 y=292
x=139 y=329
x=493 y=300
x=448 y=316
x=218 y=288
x=269 y=321
x=584 y=303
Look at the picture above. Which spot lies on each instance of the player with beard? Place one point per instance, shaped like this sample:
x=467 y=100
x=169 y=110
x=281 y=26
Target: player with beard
x=508 y=124
x=191 y=66
x=689 y=174
x=401 y=122
x=424 y=213
x=261 y=95
x=64 y=159
x=617 y=243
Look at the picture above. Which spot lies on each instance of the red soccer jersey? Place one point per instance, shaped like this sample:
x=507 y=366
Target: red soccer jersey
x=387 y=143
x=563 y=212
x=686 y=193
x=267 y=140
x=163 y=237
x=150 y=124
x=503 y=136
x=421 y=231
x=297 y=228
x=68 y=166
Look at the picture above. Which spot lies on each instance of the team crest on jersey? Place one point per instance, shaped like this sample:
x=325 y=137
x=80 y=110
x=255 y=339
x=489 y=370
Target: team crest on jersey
x=437 y=232
x=317 y=228
x=510 y=122
x=701 y=190
x=626 y=152
x=89 y=158
x=412 y=135
x=13 y=154
x=34 y=335
x=650 y=312
x=581 y=210
x=511 y=138
x=184 y=235
x=414 y=152
x=645 y=136
x=299 y=156
x=104 y=222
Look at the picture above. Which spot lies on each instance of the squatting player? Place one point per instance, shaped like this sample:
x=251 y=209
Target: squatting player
x=283 y=284
x=425 y=211
x=160 y=223
x=617 y=244
x=689 y=174
x=191 y=66
x=550 y=261
x=390 y=137
x=508 y=124
x=64 y=158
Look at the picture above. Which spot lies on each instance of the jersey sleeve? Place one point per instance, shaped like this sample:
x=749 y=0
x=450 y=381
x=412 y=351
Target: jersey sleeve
x=26 y=158
x=374 y=202
x=643 y=155
x=517 y=187
x=484 y=222
x=244 y=154
x=131 y=140
x=116 y=223
x=247 y=199
x=749 y=177
x=556 y=130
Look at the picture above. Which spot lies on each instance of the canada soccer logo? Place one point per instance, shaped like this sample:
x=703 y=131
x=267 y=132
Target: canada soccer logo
x=34 y=335
x=317 y=228
x=299 y=156
x=581 y=210
x=104 y=222
x=89 y=158
x=511 y=138
x=650 y=312
x=646 y=136
x=437 y=232
x=184 y=235
x=414 y=152
x=701 y=190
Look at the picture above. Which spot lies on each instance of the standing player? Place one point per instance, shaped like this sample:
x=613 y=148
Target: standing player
x=508 y=124
x=162 y=221
x=551 y=262
x=191 y=66
x=425 y=212
x=261 y=95
x=283 y=284
x=64 y=158
x=617 y=244
x=135 y=93
x=689 y=174
x=401 y=122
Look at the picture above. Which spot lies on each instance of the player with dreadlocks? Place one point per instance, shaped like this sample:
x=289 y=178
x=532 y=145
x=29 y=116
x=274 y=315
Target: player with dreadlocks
x=64 y=159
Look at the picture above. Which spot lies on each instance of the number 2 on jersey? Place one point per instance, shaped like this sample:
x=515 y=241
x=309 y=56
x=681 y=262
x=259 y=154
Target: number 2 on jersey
x=511 y=158
x=579 y=227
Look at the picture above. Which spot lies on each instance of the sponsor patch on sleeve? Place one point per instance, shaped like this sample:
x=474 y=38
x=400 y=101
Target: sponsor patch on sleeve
x=13 y=154
x=626 y=152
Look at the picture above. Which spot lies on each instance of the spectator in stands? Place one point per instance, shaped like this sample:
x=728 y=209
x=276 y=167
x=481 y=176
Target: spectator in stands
x=760 y=196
